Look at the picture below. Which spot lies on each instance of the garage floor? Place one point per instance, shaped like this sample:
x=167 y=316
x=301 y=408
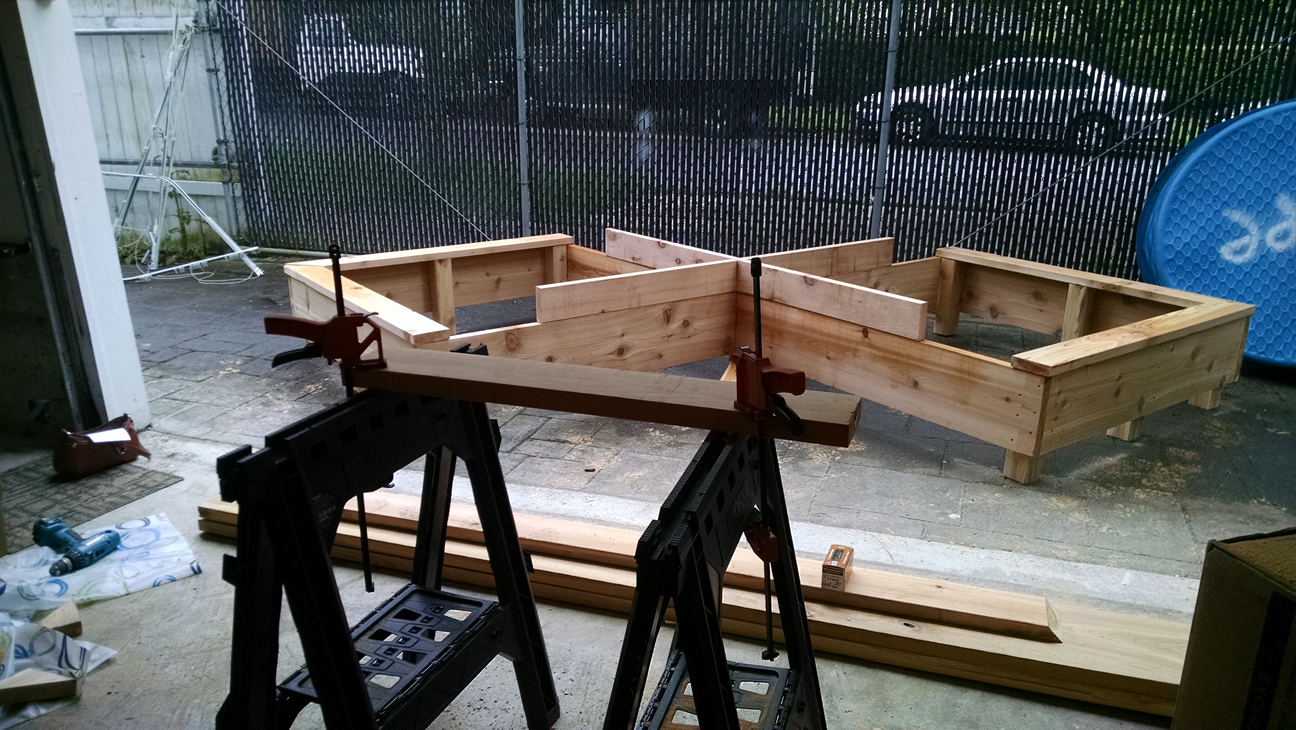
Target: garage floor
x=1113 y=524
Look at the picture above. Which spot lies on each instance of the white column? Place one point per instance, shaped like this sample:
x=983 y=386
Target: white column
x=80 y=229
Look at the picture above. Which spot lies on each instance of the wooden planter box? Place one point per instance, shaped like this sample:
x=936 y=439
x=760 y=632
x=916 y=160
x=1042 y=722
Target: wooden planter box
x=845 y=314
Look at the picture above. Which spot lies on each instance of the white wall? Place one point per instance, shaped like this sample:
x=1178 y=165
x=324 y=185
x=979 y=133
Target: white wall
x=77 y=222
x=125 y=79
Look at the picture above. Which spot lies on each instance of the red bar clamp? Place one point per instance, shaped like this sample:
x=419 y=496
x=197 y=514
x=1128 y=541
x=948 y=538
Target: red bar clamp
x=337 y=339
x=759 y=382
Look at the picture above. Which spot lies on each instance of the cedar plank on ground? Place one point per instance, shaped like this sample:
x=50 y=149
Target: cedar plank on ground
x=1113 y=659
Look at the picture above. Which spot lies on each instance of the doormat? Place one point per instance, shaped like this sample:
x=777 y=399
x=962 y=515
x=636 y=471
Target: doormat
x=33 y=491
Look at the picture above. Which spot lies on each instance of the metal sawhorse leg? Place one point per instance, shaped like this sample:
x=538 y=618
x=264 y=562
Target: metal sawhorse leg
x=400 y=666
x=682 y=556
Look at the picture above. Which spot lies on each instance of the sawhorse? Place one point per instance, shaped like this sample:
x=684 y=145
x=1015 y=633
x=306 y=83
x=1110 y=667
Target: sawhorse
x=400 y=666
x=683 y=556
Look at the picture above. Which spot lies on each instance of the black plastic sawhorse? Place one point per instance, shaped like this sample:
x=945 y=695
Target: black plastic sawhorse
x=683 y=556
x=401 y=665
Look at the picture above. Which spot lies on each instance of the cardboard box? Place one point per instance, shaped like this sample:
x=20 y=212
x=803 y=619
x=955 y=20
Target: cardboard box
x=1239 y=671
x=837 y=566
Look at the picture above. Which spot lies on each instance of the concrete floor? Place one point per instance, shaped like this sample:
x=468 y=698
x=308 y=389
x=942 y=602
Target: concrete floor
x=1114 y=524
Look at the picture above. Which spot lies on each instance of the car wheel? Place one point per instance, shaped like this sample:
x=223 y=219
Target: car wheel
x=912 y=124
x=1091 y=134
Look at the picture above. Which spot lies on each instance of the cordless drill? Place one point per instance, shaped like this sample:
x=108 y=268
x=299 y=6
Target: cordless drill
x=79 y=552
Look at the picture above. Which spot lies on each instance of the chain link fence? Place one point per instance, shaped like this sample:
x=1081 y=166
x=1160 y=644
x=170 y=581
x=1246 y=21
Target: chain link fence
x=742 y=126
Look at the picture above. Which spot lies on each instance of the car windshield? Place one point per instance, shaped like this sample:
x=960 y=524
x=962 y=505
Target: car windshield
x=327 y=31
x=1027 y=75
x=998 y=76
x=1047 y=75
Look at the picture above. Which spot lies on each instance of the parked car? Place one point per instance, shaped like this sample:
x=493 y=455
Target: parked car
x=1054 y=100
x=628 y=62
x=332 y=58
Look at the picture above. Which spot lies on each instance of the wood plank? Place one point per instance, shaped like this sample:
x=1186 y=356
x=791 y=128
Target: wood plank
x=645 y=338
x=654 y=397
x=406 y=284
x=1063 y=275
x=1106 y=658
x=401 y=321
x=628 y=291
x=654 y=252
x=876 y=310
x=1128 y=431
x=1107 y=393
x=459 y=251
x=1208 y=400
x=836 y=261
x=1114 y=659
x=1100 y=346
x=918 y=279
x=1021 y=468
x=730 y=375
x=971 y=393
x=556 y=264
x=65 y=619
x=1003 y=612
x=1111 y=310
x=1079 y=311
x=441 y=274
x=35 y=685
x=1009 y=297
x=586 y=263
x=499 y=276
x=948 y=297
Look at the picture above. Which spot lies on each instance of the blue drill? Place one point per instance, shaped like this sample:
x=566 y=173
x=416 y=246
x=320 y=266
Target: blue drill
x=79 y=552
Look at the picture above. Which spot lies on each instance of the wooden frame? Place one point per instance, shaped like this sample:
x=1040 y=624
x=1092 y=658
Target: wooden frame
x=844 y=314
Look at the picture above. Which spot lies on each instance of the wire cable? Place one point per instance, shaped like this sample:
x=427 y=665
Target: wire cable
x=350 y=118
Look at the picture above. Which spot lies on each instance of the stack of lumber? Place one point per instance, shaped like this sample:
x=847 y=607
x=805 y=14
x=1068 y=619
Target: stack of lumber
x=1004 y=638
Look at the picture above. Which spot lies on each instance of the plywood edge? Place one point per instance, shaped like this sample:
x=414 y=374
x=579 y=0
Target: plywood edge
x=392 y=316
x=1072 y=276
x=1107 y=344
x=628 y=291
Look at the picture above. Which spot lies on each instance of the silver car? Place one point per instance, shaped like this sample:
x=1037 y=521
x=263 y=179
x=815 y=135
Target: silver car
x=1053 y=100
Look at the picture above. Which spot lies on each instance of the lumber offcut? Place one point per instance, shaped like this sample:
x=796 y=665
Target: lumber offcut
x=34 y=685
x=65 y=619
x=1108 y=658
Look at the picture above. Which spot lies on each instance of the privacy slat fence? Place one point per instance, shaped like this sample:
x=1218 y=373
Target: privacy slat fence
x=741 y=127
